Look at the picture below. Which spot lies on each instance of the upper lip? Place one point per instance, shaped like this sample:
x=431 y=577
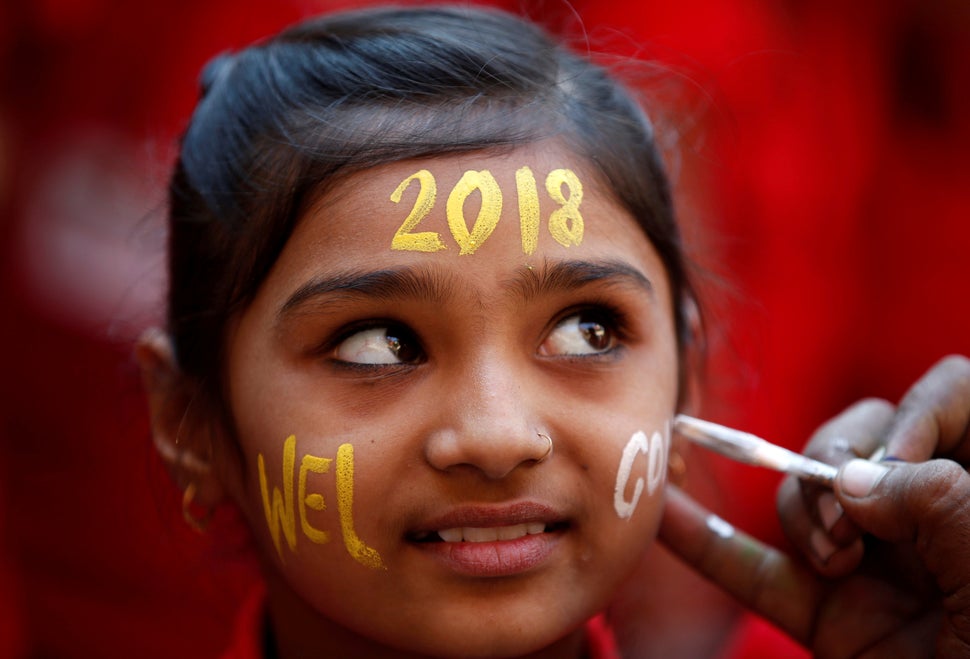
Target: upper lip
x=492 y=515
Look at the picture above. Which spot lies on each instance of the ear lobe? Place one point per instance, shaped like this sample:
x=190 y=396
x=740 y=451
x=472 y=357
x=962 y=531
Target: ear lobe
x=180 y=431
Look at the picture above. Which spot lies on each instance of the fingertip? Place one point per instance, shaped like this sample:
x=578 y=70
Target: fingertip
x=841 y=530
x=858 y=478
x=829 y=510
x=822 y=546
x=833 y=561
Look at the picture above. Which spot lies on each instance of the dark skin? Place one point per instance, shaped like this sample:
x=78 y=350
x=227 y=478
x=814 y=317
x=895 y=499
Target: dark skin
x=886 y=571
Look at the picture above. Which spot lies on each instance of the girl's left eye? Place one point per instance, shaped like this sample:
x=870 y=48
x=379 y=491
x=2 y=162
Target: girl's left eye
x=585 y=333
x=379 y=345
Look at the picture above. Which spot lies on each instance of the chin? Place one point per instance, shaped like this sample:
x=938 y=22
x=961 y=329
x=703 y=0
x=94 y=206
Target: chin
x=499 y=630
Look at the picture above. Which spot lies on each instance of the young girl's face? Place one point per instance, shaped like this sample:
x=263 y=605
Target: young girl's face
x=427 y=327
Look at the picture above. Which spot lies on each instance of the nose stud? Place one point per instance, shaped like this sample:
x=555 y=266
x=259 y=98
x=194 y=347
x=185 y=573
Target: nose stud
x=545 y=456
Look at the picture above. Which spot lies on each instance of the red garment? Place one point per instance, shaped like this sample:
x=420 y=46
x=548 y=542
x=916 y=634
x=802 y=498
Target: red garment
x=247 y=638
x=754 y=637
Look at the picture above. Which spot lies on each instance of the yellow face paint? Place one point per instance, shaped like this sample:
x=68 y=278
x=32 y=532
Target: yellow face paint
x=525 y=185
x=315 y=501
x=279 y=512
x=345 y=503
x=488 y=214
x=423 y=241
x=279 y=506
x=565 y=223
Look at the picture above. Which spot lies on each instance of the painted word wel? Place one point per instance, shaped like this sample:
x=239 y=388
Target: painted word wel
x=282 y=507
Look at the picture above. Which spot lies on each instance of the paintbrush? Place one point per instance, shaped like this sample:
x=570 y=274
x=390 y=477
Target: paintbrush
x=751 y=449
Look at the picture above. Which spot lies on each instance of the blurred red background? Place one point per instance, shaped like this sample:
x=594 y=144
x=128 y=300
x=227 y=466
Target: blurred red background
x=824 y=186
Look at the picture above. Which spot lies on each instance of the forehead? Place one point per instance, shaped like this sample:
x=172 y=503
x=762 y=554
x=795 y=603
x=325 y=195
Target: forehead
x=482 y=213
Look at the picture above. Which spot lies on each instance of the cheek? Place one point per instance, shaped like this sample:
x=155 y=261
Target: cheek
x=630 y=499
x=650 y=453
x=305 y=496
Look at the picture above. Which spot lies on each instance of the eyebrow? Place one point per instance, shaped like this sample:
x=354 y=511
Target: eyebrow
x=407 y=282
x=436 y=287
x=560 y=276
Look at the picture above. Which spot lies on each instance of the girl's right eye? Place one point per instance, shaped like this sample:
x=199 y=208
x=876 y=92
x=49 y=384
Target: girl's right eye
x=386 y=344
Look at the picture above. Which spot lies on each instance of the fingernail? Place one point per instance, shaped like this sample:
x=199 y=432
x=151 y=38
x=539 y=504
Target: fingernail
x=822 y=547
x=859 y=477
x=829 y=510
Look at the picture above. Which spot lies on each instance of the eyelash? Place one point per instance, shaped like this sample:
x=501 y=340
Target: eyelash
x=613 y=319
x=347 y=332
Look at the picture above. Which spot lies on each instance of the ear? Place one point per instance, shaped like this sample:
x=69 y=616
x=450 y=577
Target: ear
x=690 y=390
x=182 y=430
x=694 y=358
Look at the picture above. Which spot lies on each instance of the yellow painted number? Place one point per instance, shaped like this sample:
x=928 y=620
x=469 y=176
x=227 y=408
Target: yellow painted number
x=488 y=214
x=423 y=241
x=565 y=223
x=525 y=186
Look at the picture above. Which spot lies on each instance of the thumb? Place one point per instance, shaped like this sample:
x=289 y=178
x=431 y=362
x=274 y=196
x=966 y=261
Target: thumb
x=927 y=505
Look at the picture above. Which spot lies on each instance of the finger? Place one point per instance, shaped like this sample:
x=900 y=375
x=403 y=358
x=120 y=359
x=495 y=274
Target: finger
x=927 y=505
x=829 y=556
x=762 y=578
x=855 y=433
x=810 y=514
x=934 y=415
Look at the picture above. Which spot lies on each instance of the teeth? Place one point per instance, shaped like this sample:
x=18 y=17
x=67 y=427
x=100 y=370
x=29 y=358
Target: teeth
x=491 y=534
x=450 y=535
x=511 y=532
x=471 y=534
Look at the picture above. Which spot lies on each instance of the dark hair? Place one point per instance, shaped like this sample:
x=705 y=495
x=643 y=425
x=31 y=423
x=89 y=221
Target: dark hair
x=280 y=121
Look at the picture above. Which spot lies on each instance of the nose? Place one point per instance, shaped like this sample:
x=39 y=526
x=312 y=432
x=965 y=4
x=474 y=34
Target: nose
x=487 y=423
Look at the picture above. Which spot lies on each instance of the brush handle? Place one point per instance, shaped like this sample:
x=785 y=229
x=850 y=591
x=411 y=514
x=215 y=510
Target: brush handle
x=753 y=450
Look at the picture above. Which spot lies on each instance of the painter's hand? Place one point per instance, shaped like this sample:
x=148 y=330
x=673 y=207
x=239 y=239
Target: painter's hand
x=905 y=589
x=916 y=517
x=932 y=421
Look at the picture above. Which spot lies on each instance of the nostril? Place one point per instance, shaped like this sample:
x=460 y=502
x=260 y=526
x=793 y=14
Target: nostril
x=493 y=451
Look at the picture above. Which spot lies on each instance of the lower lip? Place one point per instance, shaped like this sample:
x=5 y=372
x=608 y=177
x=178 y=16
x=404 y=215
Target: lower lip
x=502 y=558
